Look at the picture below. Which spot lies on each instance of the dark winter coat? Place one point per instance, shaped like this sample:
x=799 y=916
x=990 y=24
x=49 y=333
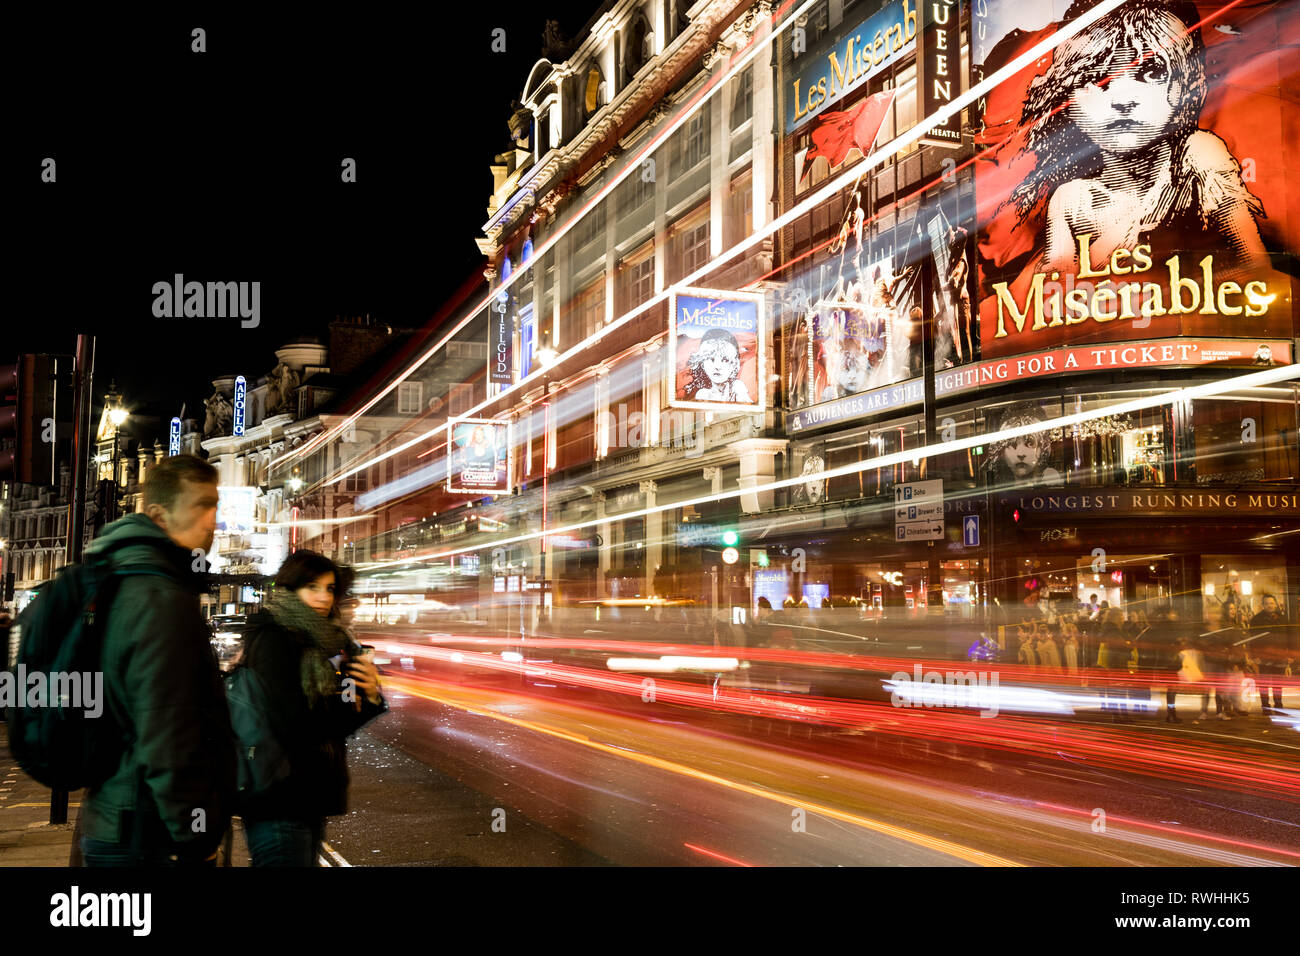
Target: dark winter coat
x=313 y=736
x=176 y=778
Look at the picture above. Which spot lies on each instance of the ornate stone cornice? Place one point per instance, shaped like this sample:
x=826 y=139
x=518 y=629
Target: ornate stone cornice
x=592 y=146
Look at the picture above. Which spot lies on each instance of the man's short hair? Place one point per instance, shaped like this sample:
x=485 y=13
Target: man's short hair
x=162 y=486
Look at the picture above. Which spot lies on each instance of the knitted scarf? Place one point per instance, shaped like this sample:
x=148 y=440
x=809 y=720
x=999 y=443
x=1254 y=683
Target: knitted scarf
x=327 y=639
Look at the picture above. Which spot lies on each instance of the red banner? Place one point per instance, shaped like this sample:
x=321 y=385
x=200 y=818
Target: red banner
x=1115 y=355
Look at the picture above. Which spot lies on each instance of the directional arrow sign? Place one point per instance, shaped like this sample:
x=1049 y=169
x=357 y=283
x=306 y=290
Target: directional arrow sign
x=927 y=511
x=919 y=531
x=916 y=492
x=970 y=531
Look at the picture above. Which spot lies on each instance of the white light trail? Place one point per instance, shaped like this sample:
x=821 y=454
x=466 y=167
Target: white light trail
x=717 y=83
x=848 y=177
x=1265 y=377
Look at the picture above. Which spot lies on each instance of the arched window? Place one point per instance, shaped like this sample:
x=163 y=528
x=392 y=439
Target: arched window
x=634 y=56
x=592 y=94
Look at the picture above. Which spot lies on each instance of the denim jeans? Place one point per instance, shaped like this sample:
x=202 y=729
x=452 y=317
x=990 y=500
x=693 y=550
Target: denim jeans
x=284 y=842
x=102 y=853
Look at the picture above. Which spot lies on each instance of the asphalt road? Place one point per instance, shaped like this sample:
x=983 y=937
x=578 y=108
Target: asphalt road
x=573 y=776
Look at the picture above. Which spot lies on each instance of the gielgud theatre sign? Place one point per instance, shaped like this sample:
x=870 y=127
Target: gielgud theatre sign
x=1130 y=186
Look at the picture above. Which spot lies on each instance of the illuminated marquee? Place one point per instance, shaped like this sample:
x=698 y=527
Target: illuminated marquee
x=241 y=403
x=939 y=68
x=1112 y=299
x=850 y=62
x=716 y=344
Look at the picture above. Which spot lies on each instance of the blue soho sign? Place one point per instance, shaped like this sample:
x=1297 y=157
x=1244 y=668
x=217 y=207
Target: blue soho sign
x=241 y=402
x=825 y=76
x=174 y=438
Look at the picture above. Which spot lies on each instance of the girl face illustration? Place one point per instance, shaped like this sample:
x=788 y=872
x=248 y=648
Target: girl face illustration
x=851 y=366
x=1022 y=454
x=1130 y=106
x=721 y=363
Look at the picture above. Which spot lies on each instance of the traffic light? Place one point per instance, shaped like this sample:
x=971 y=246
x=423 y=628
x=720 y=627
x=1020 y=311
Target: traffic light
x=8 y=420
x=31 y=396
x=730 y=538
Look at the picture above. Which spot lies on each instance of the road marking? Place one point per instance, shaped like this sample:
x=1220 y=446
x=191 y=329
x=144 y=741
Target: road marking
x=334 y=854
x=716 y=855
x=968 y=854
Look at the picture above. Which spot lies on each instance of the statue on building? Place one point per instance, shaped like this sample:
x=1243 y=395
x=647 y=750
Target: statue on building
x=556 y=47
x=220 y=415
x=280 y=386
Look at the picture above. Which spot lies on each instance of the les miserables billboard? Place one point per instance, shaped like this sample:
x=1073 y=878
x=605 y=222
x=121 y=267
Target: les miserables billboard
x=1133 y=183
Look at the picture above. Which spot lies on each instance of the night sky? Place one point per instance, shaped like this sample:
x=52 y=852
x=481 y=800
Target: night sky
x=225 y=166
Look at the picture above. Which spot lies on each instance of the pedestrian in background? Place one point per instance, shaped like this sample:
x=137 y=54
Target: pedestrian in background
x=299 y=648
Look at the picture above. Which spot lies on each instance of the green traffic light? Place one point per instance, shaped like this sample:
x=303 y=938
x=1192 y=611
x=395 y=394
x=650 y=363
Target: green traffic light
x=730 y=538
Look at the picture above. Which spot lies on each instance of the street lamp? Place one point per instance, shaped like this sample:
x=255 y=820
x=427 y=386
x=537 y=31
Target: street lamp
x=118 y=416
x=294 y=485
x=546 y=472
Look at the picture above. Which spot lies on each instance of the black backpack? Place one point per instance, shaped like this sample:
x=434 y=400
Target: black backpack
x=261 y=761
x=60 y=639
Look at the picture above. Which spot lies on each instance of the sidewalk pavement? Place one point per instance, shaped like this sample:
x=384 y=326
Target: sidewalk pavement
x=27 y=837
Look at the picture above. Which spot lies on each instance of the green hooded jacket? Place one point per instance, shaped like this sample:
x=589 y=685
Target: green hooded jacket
x=161 y=678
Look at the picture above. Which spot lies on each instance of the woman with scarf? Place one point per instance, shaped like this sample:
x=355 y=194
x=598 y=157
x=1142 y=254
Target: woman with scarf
x=298 y=646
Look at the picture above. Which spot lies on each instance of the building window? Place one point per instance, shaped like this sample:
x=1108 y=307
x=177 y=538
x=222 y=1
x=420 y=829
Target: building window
x=591 y=93
x=527 y=339
x=467 y=350
x=636 y=191
x=688 y=248
x=636 y=278
x=589 y=229
x=410 y=398
x=585 y=314
x=738 y=217
x=635 y=53
x=460 y=400
x=742 y=105
x=691 y=143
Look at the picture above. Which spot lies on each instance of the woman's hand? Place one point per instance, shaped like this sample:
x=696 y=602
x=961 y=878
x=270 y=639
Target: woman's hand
x=366 y=677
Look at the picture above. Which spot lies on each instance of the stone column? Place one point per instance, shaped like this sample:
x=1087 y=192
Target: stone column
x=757 y=467
x=602 y=552
x=653 y=537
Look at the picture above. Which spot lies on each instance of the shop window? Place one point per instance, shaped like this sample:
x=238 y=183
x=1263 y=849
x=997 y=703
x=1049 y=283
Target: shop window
x=1244 y=439
x=1129 y=449
x=1245 y=591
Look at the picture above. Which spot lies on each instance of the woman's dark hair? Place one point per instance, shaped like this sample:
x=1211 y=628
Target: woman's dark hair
x=303 y=567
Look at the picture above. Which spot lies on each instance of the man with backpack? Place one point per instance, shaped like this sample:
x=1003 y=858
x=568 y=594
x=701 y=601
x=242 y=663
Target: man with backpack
x=169 y=800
